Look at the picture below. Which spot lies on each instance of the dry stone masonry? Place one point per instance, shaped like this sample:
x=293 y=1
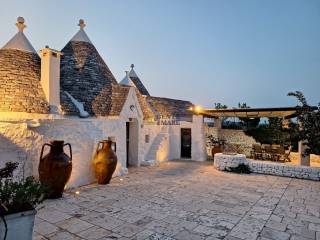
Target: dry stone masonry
x=223 y=162
x=86 y=77
x=21 y=89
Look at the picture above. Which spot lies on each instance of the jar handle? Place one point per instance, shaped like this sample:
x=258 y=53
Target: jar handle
x=70 y=149
x=46 y=144
x=98 y=146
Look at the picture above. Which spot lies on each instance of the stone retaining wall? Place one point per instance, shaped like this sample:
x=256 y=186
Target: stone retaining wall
x=270 y=168
x=236 y=140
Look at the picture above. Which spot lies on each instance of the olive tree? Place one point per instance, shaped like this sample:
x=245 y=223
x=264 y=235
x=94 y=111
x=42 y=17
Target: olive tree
x=309 y=124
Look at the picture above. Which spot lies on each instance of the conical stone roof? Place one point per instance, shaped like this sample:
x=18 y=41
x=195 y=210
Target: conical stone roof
x=127 y=81
x=137 y=82
x=85 y=76
x=20 y=89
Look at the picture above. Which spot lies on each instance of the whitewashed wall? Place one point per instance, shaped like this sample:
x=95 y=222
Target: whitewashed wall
x=24 y=144
x=21 y=140
x=167 y=140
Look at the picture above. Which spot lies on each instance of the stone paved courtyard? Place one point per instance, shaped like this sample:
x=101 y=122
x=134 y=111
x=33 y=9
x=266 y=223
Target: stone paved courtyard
x=185 y=200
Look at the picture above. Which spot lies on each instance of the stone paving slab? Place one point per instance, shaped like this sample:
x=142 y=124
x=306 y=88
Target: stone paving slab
x=181 y=200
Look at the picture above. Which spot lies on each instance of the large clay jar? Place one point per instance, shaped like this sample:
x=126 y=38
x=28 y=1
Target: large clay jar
x=55 y=168
x=104 y=162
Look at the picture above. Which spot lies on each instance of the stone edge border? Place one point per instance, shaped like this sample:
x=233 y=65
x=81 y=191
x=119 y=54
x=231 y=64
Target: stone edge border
x=222 y=163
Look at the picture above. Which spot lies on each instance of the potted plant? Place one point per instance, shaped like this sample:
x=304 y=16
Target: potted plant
x=18 y=198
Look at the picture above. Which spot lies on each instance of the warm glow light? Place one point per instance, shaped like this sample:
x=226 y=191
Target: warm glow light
x=77 y=192
x=198 y=108
x=191 y=108
x=121 y=179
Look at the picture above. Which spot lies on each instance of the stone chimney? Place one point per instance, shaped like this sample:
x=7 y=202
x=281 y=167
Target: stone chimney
x=50 y=76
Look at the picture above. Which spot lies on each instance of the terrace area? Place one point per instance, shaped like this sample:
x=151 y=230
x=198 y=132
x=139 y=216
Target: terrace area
x=185 y=200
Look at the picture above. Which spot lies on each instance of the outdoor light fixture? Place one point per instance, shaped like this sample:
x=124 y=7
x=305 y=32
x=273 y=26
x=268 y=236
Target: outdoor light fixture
x=198 y=108
x=77 y=192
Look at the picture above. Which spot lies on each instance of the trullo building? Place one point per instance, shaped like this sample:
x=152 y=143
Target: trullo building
x=72 y=95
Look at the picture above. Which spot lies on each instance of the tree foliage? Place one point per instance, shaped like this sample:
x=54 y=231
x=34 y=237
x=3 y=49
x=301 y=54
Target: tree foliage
x=273 y=132
x=220 y=106
x=18 y=195
x=309 y=124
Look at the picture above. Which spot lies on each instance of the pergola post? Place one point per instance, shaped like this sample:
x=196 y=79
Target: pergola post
x=304 y=160
x=218 y=123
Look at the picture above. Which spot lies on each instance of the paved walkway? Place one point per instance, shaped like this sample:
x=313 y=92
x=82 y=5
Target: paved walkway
x=185 y=200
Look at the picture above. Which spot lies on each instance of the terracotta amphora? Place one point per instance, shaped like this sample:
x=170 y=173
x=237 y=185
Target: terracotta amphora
x=104 y=162
x=55 y=168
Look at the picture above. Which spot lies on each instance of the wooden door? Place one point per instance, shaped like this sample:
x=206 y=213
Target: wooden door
x=186 y=142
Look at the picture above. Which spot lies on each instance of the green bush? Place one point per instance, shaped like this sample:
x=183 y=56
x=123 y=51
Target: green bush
x=309 y=124
x=18 y=195
x=241 y=168
x=272 y=132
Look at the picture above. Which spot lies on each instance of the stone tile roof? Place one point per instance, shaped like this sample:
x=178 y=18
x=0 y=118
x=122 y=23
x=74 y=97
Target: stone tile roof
x=67 y=106
x=21 y=89
x=167 y=107
x=147 y=112
x=119 y=97
x=87 y=78
x=137 y=82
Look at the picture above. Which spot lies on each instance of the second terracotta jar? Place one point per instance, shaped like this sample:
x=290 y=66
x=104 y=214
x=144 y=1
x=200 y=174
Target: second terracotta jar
x=104 y=162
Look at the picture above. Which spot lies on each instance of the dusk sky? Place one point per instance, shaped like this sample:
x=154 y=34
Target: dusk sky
x=203 y=51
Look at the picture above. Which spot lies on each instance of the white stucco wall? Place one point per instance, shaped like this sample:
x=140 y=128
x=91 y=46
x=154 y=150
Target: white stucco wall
x=167 y=140
x=22 y=136
x=20 y=142
x=23 y=144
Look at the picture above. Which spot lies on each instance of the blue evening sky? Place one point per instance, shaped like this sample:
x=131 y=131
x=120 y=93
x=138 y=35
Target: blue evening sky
x=205 y=51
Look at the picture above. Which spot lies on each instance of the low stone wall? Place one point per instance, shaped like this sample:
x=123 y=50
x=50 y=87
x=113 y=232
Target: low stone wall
x=281 y=169
x=222 y=162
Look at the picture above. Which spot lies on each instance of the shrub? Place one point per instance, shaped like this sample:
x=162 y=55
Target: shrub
x=309 y=124
x=241 y=168
x=18 y=195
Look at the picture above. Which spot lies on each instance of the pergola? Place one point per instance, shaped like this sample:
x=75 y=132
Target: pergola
x=284 y=112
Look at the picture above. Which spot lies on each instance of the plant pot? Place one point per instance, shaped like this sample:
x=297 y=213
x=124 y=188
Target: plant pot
x=104 y=162
x=20 y=225
x=55 y=168
x=215 y=149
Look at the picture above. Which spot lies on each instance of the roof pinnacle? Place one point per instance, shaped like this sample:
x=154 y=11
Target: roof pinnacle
x=20 y=24
x=81 y=24
x=132 y=66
